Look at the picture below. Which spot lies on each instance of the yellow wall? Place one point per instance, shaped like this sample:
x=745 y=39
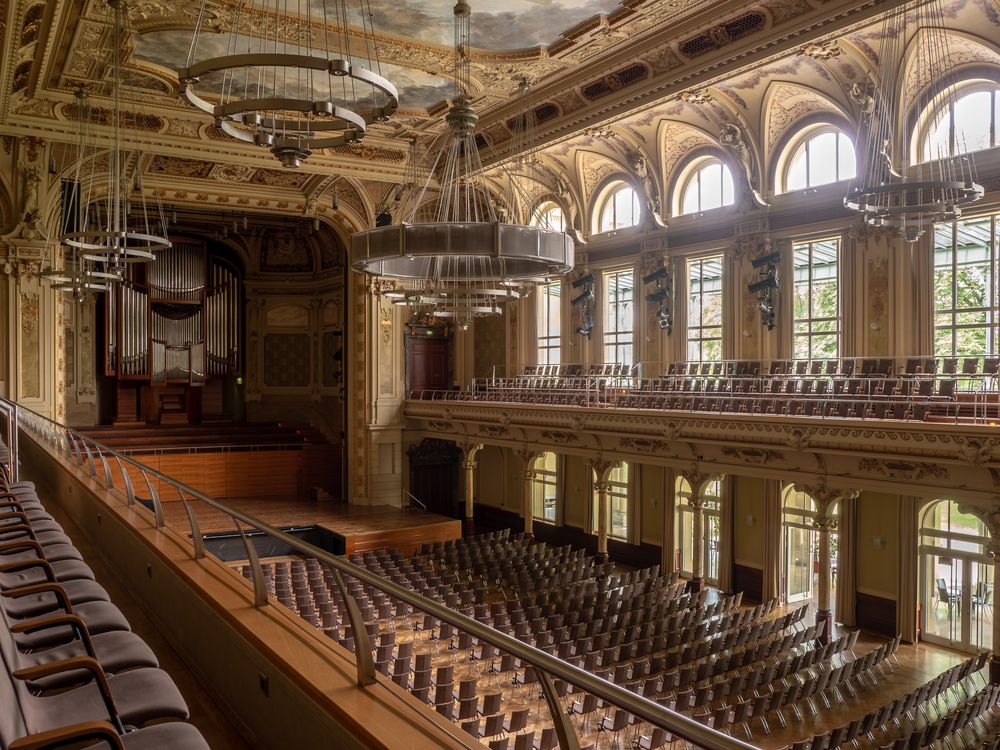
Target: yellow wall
x=577 y=492
x=748 y=539
x=490 y=489
x=651 y=501
x=877 y=565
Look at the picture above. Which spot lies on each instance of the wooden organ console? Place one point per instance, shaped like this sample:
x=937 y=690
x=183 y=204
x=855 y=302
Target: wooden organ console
x=172 y=333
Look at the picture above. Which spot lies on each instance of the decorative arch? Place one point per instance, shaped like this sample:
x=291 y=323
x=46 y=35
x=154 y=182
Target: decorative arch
x=594 y=171
x=788 y=107
x=678 y=140
x=608 y=188
x=806 y=128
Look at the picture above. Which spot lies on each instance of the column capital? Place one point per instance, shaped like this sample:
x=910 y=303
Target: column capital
x=825 y=498
x=604 y=487
x=602 y=470
x=528 y=457
x=699 y=481
x=470 y=452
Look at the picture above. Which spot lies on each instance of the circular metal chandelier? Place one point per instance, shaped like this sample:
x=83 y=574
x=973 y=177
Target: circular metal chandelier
x=108 y=221
x=294 y=92
x=935 y=186
x=458 y=249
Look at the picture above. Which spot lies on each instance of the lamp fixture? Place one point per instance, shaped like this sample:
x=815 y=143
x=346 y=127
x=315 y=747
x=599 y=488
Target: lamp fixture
x=663 y=296
x=108 y=222
x=766 y=286
x=933 y=187
x=458 y=247
x=291 y=98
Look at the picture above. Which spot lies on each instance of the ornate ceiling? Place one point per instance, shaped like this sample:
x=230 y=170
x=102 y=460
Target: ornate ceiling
x=611 y=80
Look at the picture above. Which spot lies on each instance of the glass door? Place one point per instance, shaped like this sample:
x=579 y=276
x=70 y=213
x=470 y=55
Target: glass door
x=800 y=561
x=957 y=597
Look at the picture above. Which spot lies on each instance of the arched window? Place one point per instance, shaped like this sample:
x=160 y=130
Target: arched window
x=549 y=216
x=956 y=578
x=819 y=156
x=619 y=208
x=684 y=531
x=800 y=548
x=707 y=184
x=544 y=488
x=964 y=123
x=619 y=501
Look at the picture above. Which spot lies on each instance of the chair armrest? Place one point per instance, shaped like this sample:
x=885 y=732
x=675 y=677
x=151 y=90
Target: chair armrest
x=26 y=528
x=20 y=544
x=41 y=588
x=72 y=664
x=71 y=734
x=13 y=514
x=14 y=567
x=54 y=621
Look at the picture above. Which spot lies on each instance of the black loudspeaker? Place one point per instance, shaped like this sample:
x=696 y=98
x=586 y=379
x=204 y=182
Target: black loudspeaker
x=383 y=219
x=70 y=206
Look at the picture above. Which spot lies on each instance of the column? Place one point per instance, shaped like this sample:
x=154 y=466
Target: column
x=469 y=453
x=603 y=490
x=826 y=522
x=993 y=550
x=697 y=505
x=528 y=477
x=602 y=486
x=698 y=482
x=824 y=525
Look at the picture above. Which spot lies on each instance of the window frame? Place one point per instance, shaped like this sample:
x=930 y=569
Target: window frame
x=606 y=200
x=949 y=94
x=546 y=479
x=617 y=338
x=801 y=139
x=810 y=320
x=700 y=327
x=692 y=171
x=990 y=312
x=542 y=211
x=547 y=341
x=711 y=512
x=621 y=494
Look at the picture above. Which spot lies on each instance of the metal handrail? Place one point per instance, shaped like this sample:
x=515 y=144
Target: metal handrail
x=413 y=498
x=547 y=666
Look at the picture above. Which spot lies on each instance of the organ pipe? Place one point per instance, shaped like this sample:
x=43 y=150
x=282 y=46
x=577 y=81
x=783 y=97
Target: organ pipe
x=177 y=320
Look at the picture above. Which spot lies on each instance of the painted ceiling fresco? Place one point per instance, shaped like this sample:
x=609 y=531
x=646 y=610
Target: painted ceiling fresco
x=417 y=89
x=509 y=24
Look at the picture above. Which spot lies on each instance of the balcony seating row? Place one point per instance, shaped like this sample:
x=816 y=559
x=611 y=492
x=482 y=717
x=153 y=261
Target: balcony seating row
x=71 y=670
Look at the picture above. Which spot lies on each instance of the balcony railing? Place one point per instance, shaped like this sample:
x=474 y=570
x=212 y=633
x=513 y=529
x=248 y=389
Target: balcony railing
x=115 y=472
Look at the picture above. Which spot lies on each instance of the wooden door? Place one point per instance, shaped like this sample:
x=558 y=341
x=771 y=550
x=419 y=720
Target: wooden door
x=427 y=364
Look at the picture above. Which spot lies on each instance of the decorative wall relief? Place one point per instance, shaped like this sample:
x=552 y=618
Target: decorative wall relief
x=878 y=306
x=910 y=470
x=386 y=316
x=30 y=350
x=286 y=360
x=288 y=316
x=282 y=252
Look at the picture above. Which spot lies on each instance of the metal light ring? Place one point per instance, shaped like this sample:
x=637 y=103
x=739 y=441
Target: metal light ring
x=341 y=116
x=125 y=260
x=901 y=187
x=474 y=311
x=402 y=251
x=459 y=301
x=89 y=286
x=336 y=67
x=889 y=202
x=905 y=221
x=459 y=292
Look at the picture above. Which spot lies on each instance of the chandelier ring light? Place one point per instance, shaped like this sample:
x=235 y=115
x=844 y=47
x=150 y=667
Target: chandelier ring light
x=347 y=125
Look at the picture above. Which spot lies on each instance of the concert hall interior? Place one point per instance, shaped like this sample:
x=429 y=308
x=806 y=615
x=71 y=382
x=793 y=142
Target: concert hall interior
x=524 y=375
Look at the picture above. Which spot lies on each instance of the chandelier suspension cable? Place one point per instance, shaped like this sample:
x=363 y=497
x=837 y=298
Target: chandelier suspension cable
x=274 y=83
x=902 y=185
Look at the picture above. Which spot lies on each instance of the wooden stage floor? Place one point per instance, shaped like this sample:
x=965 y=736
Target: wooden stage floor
x=361 y=526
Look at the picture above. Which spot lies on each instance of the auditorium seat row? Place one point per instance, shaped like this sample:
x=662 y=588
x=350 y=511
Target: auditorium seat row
x=71 y=670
